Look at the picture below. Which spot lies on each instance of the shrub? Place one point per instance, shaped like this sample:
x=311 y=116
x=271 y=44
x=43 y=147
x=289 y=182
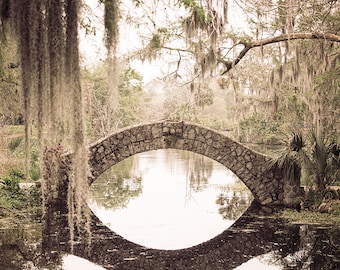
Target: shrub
x=10 y=190
x=11 y=182
x=313 y=199
x=34 y=172
x=14 y=143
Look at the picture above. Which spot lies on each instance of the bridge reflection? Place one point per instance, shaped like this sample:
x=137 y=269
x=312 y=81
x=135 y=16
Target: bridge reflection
x=250 y=236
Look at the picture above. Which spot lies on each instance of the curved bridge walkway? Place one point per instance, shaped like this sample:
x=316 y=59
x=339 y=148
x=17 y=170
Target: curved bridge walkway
x=267 y=185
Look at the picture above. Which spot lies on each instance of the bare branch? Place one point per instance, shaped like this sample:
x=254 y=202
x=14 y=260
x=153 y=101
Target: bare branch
x=177 y=49
x=285 y=37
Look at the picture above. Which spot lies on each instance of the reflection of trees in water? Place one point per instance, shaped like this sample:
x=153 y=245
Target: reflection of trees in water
x=318 y=248
x=233 y=205
x=301 y=259
x=198 y=171
x=197 y=168
x=234 y=201
x=118 y=185
x=307 y=247
x=20 y=247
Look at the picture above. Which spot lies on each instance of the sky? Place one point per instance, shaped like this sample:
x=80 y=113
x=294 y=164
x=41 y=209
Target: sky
x=93 y=51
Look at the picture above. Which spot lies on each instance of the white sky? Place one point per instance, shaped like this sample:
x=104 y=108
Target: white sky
x=93 y=50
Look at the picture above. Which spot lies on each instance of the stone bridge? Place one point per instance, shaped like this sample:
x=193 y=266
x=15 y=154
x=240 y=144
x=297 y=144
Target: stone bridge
x=112 y=251
x=268 y=185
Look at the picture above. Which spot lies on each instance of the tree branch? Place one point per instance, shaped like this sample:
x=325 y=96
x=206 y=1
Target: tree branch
x=285 y=37
x=177 y=49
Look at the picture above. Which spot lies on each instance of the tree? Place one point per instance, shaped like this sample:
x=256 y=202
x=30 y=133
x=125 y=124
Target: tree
x=132 y=101
x=47 y=38
x=10 y=95
x=199 y=40
x=277 y=42
x=248 y=45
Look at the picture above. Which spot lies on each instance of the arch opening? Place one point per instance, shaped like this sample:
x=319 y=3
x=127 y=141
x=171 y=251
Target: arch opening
x=168 y=198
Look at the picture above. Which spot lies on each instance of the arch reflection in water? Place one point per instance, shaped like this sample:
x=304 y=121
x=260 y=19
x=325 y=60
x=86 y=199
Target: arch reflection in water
x=255 y=238
x=169 y=199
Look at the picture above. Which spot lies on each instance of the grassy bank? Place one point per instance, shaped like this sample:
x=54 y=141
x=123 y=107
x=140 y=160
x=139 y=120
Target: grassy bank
x=314 y=217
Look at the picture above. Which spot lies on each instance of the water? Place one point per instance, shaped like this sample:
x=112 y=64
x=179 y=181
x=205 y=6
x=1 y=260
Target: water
x=205 y=200
x=254 y=241
x=169 y=199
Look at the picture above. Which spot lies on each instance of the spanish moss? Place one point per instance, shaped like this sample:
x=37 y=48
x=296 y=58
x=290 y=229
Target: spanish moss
x=47 y=37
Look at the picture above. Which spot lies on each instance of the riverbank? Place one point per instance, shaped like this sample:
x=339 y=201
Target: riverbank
x=313 y=217
x=10 y=216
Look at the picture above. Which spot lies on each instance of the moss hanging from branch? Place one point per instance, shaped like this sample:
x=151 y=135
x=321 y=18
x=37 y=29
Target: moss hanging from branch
x=78 y=187
x=47 y=33
x=111 y=17
x=202 y=28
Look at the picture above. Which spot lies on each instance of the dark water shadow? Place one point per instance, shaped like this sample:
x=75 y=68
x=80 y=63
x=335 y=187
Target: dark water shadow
x=255 y=234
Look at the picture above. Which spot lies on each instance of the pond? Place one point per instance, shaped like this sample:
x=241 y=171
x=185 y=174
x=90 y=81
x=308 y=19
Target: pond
x=169 y=199
x=178 y=210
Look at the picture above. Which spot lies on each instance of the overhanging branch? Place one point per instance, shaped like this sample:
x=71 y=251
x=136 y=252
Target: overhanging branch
x=285 y=37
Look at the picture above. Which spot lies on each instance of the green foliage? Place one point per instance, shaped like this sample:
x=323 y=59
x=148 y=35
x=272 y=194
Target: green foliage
x=14 y=143
x=259 y=128
x=316 y=158
x=199 y=15
x=117 y=186
x=155 y=42
x=11 y=194
x=14 y=197
x=11 y=182
x=312 y=200
x=17 y=147
x=132 y=98
x=132 y=101
x=197 y=12
x=312 y=217
x=297 y=108
x=336 y=208
x=34 y=172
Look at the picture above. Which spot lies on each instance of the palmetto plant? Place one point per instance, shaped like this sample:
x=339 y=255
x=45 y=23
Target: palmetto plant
x=325 y=169
x=316 y=159
x=289 y=157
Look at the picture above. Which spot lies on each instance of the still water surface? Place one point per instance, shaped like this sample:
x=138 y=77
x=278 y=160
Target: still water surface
x=169 y=199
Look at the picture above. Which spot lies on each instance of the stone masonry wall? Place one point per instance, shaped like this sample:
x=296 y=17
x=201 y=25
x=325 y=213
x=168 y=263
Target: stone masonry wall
x=266 y=185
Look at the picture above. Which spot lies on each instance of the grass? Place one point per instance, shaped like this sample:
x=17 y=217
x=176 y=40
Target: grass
x=10 y=136
x=12 y=151
x=13 y=129
x=313 y=217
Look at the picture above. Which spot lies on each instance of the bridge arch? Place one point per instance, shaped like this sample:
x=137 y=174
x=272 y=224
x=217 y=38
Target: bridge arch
x=266 y=184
